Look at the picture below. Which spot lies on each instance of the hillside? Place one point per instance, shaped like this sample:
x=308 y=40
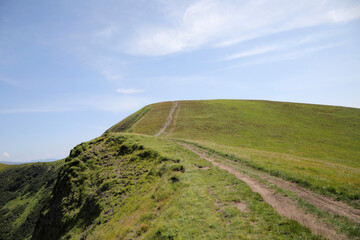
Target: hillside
x=24 y=190
x=290 y=139
x=218 y=169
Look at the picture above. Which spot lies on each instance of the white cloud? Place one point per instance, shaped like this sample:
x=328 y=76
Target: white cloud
x=114 y=104
x=290 y=56
x=292 y=43
x=111 y=76
x=36 y=110
x=223 y=23
x=5 y=154
x=252 y=52
x=343 y=15
x=129 y=90
x=103 y=102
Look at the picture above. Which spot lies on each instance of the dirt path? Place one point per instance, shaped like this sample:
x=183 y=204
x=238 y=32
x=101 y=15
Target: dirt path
x=321 y=202
x=283 y=205
x=173 y=125
x=168 y=121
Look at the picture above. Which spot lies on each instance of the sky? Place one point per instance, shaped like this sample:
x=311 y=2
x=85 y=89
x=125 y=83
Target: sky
x=69 y=70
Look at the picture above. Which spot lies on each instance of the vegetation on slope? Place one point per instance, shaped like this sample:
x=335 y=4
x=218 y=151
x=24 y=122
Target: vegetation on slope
x=24 y=190
x=147 y=120
x=203 y=204
x=125 y=185
x=315 y=131
x=128 y=186
x=98 y=179
x=314 y=145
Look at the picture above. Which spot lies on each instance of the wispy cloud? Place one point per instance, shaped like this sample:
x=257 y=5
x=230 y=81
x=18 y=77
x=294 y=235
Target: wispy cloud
x=35 y=110
x=110 y=75
x=278 y=46
x=5 y=154
x=290 y=56
x=129 y=90
x=107 y=103
x=252 y=52
x=223 y=23
x=10 y=82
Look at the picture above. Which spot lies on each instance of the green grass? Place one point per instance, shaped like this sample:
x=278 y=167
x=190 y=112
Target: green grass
x=314 y=131
x=127 y=184
x=24 y=190
x=148 y=120
x=334 y=180
x=315 y=145
x=5 y=167
x=199 y=206
x=98 y=180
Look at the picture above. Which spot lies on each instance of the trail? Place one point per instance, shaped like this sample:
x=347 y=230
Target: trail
x=168 y=121
x=321 y=202
x=283 y=205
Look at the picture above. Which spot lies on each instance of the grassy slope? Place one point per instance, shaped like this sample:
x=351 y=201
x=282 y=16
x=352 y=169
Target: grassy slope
x=129 y=186
x=148 y=120
x=315 y=131
x=198 y=206
x=24 y=190
x=313 y=144
x=101 y=180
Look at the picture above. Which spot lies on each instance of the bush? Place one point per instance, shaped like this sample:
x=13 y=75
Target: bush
x=178 y=168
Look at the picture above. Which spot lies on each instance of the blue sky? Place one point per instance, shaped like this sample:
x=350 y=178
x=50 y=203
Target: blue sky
x=71 y=69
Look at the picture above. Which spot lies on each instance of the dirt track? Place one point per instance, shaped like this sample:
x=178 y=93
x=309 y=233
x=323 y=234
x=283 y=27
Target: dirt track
x=283 y=205
x=168 y=121
x=321 y=202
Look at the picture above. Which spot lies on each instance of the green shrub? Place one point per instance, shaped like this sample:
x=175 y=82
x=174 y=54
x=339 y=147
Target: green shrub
x=177 y=168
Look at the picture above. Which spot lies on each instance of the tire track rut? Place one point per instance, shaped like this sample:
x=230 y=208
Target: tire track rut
x=283 y=205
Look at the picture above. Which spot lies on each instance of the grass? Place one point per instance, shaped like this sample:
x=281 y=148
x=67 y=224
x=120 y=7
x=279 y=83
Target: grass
x=314 y=145
x=102 y=181
x=334 y=180
x=315 y=131
x=199 y=206
x=24 y=190
x=127 y=184
x=340 y=223
x=148 y=120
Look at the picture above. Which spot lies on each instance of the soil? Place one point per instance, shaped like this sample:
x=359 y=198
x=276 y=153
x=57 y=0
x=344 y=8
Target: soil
x=283 y=205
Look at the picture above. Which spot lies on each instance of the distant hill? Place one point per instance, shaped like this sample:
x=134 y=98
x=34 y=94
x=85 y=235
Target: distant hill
x=215 y=169
x=31 y=161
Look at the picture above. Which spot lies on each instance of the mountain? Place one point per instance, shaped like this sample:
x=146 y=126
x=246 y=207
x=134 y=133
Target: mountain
x=214 y=169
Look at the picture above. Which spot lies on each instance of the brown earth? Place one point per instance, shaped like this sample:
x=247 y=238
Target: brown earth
x=283 y=205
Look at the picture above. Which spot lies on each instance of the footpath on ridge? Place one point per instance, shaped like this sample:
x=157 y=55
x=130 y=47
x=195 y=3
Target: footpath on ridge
x=168 y=121
x=282 y=204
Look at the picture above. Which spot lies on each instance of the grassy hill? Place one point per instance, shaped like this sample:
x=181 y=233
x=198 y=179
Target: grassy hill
x=129 y=184
x=291 y=140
